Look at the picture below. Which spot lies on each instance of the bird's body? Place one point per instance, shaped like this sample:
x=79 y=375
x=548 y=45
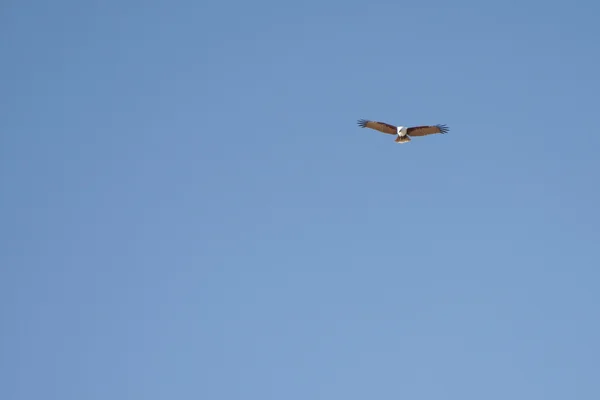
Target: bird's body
x=403 y=134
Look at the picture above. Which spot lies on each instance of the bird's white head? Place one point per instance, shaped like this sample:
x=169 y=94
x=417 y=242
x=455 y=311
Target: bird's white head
x=401 y=131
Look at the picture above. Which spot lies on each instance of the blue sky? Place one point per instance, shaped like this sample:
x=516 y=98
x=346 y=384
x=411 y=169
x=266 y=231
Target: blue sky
x=190 y=211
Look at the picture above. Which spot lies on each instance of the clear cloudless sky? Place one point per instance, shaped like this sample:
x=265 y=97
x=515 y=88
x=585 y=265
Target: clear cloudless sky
x=189 y=210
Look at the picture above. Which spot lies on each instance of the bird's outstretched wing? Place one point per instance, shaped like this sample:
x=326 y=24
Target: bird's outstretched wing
x=378 y=126
x=426 y=130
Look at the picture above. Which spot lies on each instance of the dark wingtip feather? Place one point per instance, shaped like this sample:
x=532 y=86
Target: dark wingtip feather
x=362 y=123
x=443 y=128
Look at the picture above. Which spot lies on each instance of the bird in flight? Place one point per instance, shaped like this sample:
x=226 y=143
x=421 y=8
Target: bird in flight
x=403 y=133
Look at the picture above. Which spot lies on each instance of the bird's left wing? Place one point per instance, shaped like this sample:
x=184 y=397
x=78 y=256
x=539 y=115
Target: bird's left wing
x=379 y=126
x=426 y=130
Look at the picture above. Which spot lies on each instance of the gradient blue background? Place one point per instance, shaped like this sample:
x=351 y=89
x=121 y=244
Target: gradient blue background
x=189 y=211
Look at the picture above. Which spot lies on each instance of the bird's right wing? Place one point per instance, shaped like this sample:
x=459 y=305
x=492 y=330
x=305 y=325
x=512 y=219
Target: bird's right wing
x=426 y=130
x=378 y=126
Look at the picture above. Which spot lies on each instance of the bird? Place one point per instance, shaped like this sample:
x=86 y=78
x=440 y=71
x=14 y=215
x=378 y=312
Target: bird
x=403 y=133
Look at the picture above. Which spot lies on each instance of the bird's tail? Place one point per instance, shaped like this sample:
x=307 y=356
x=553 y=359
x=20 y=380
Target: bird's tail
x=402 y=139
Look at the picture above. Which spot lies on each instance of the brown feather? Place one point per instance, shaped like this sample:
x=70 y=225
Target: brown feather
x=426 y=130
x=379 y=126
